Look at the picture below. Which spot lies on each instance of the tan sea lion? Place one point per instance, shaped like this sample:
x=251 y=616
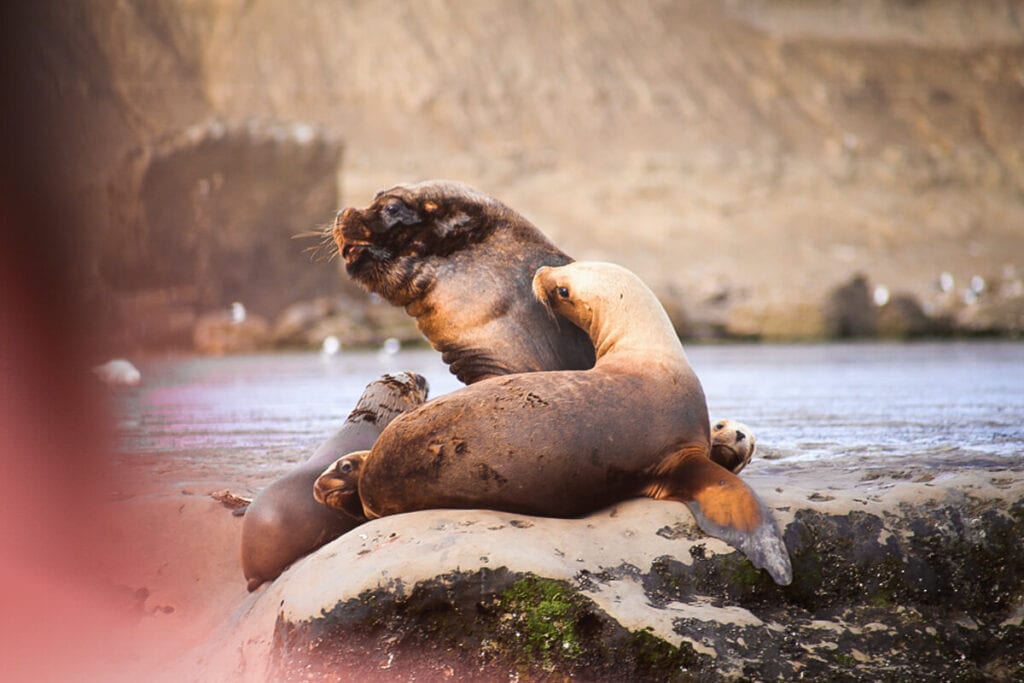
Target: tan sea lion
x=566 y=443
x=732 y=445
x=284 y=522
x=462 y=263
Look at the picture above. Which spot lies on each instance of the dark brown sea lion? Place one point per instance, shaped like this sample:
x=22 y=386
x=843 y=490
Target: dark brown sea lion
x=462 y=263
x=284 y=522
x=566 y=443
x=732 y=445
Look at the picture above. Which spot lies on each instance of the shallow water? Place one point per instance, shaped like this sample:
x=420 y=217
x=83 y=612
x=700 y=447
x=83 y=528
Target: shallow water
x=951 y=403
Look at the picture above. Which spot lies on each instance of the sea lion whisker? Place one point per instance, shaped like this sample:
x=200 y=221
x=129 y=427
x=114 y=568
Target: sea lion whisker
x=325 y=249
x=550 y=311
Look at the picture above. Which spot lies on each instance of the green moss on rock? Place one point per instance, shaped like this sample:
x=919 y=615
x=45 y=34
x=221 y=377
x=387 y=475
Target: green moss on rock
x=544 y=617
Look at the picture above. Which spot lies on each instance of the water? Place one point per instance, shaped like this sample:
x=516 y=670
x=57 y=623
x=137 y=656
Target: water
x=938 y=403
x=806 y=402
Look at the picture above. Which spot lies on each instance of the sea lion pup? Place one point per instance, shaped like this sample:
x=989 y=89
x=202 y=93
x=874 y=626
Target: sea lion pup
x=566 y=443
x=732 y=445
x=284 y=522
x=462 y=263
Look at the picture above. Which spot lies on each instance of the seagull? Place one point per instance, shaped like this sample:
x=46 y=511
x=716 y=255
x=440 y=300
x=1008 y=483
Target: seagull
x=331 y=346
x=237 y=313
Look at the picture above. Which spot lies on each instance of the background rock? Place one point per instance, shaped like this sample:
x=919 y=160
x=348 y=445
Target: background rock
x=766 y=147
x=903 y=317
x=356 y=321
x=850 y=311
x=209 y=216
x=219 y=333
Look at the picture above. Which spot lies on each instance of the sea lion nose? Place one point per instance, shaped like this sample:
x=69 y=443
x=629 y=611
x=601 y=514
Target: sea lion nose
x=740 y=436
x=538 y=286
x=343 y=215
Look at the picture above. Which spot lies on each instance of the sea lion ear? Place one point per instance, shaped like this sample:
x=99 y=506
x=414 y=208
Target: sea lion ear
x=430 y=206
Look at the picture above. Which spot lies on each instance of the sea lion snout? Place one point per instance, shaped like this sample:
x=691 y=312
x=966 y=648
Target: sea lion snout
x=540 y=287
x=342 y=217
x=351 y=234
x=544 y=283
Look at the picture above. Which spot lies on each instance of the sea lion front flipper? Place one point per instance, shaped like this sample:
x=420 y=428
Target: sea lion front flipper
x=724 y=507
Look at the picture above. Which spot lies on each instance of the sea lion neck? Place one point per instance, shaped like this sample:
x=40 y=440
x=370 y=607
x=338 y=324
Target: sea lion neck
x=618 y=312
x=633 y=332
x=461 y=264
x=478 y=312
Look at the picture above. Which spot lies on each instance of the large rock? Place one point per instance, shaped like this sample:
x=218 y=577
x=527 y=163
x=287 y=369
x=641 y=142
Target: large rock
x=913 y=577
x=850 y=310
x=903 y=317
x=776 y=320
x=219 y=333
x=209 y=216
x=355 y=321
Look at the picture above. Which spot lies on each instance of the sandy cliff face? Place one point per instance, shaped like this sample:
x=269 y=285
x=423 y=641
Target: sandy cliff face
x=745 y=158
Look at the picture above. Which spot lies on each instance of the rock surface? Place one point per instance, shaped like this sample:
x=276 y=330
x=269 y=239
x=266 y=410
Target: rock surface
x=890 y=581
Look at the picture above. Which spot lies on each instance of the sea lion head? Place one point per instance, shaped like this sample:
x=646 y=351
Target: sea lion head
x=338 y=486
x=385 y=244
x=732 y=445
x=389 y=396
x=609 y=302
x=577 y=290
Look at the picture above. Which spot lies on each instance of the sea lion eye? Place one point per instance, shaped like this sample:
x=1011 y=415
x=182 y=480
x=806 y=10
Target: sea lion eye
x=345 y=467
x=563 y=292
x=396 y=211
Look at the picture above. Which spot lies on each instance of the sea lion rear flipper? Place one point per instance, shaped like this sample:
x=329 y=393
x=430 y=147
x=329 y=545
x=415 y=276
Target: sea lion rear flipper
x=726 y=508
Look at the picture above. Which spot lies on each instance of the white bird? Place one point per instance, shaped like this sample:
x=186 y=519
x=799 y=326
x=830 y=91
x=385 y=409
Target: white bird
x=331 y=345
x=946 y=281
x=881 y=295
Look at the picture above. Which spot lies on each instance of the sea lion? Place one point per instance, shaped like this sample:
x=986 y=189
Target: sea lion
x=462 y=263
x=566 y=443
x=284 y=522
x=732 y=445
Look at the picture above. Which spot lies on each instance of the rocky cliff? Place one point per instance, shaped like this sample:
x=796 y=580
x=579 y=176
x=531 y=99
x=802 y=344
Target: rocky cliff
x=746 y=158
